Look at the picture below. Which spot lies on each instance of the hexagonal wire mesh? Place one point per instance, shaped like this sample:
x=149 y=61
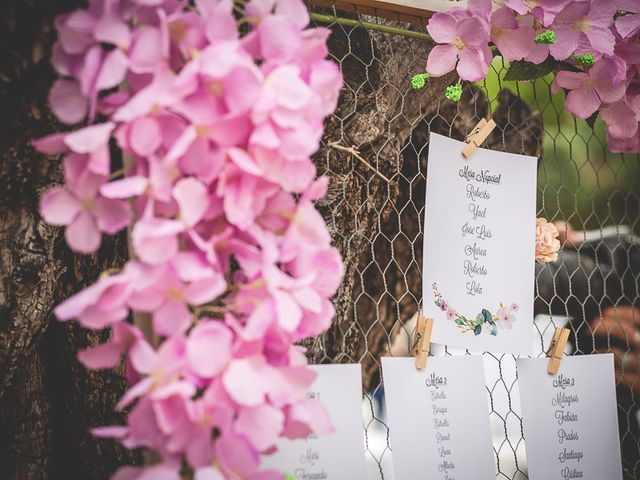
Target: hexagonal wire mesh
x=375 y=214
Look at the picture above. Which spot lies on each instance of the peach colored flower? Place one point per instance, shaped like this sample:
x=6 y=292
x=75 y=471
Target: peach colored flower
x=547 y=243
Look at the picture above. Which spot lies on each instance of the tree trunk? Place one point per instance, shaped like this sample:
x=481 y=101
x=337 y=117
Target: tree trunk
x=48 y=401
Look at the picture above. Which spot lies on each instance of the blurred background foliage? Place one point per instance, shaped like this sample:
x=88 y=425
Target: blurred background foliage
x=579 y=180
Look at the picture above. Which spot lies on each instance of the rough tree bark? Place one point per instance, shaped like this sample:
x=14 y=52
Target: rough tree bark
x=47 y=400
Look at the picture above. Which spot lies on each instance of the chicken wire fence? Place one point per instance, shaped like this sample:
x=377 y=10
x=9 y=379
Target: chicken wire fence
x=375 y=151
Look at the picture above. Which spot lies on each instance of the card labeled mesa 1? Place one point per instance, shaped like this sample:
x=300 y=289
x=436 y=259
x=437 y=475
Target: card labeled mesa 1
x=570 y=419
x=438 y=419
x=479 y=247
x=340 y=455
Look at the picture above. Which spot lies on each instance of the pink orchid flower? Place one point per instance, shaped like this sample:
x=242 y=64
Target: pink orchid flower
x=173 y=290
x=80 y=208
x=589 y=90
x=588 y=22
x=463 y=42
x=514 y=41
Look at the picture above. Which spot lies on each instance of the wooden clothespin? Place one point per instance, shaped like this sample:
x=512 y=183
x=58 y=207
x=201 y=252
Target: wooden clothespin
x=478 y=135
x=556 y=349
x=421 y=341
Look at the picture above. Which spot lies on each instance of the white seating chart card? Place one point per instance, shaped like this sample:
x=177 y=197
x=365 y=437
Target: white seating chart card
x=438 y=419
x=570 y=419
x=337 y=456
x=479 y=247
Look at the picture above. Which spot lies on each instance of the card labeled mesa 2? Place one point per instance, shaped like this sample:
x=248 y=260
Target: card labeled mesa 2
x=479 y=247
x=570 y=419
x=340 y=455
x=438 y=419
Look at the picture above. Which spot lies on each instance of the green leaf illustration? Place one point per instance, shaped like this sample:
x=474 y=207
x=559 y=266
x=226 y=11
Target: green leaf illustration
x=477 y=330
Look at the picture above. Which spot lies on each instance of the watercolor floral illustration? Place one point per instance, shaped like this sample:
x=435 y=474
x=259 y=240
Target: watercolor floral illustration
x=503 y=317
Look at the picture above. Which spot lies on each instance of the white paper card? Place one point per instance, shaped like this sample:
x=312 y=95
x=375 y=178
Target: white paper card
x=438 y=419
x=429 y=5
x=570 y=419
x=479 y=247
x=340 y=455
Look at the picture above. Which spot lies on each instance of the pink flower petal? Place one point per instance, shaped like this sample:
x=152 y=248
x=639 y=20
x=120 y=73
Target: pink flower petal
x=571 y=80
x=208 y=473
x=244 y=380
x=111 y=28
x=82 y=235
x=90 y=139
x=262 y=425
x=209 y=349
x=112 y=71
x=442 y=59
x=602 y=40
x=306 y=417
x=583 y=102
x=279 y=38
x=76 y=32
x=289 y=313
x=172 y=318
x=67 y=101
x=58 y=207
x=442 y=28
x=144 y=136
x=106 y=355
x=143 y=357
x=473 y=31
x=51 y=143
x=155 y=240
x=111 y=215
x=146 y=51
x=628 y=25
x=472 y=66
x=567 y=39
x=244 y=161
x=236 y=456
x=125 y=188
x=205 y=290
x=192 y=197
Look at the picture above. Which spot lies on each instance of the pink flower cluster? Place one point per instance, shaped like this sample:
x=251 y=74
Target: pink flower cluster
x=597 y=41
x=231 y=262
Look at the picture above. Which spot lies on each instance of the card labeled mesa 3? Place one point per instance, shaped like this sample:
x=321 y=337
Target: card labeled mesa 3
x=570 y=418
x=479 y=247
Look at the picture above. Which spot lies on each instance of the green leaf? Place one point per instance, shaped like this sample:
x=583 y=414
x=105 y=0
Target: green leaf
x=459 y=321
x=288 y=476
x=487 y=315
x=521 y=70
x=477 y=330
x=480 y=318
